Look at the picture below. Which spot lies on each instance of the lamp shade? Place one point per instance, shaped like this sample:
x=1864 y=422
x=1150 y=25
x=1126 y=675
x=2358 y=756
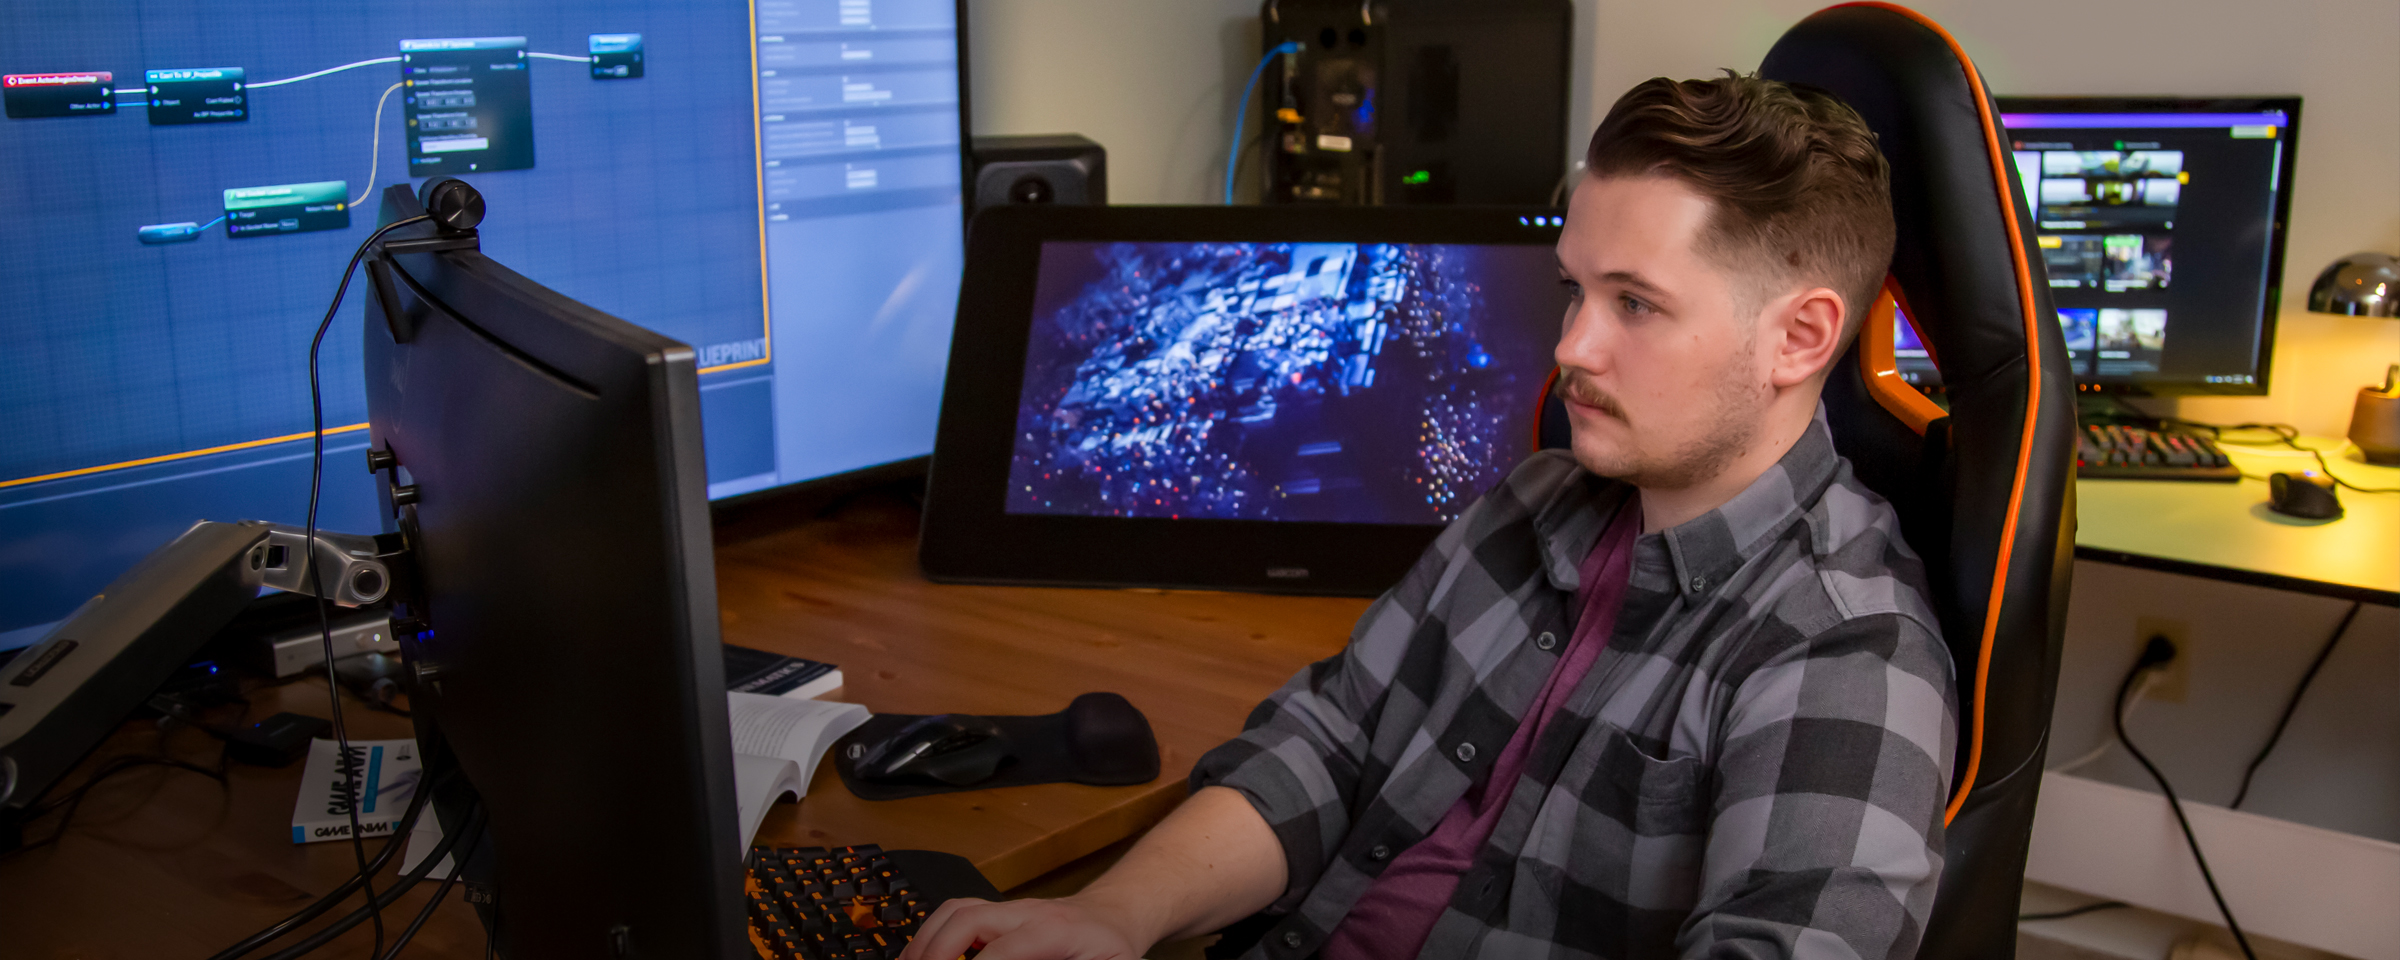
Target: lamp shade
x=2359 y=285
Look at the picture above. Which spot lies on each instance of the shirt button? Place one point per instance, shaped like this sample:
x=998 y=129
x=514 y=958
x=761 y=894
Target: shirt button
x=1292 y=938
x=1466 y=753
x=1380 y=853
x=1699 y=584
x=1546 y=641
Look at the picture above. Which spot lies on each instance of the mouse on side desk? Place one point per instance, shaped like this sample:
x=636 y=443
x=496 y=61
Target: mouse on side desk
x=2306 y=494
x=954 y=748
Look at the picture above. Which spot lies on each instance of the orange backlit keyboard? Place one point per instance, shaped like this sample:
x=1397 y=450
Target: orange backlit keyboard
x=814 y=903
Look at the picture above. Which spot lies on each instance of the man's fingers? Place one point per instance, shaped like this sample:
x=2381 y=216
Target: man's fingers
x=962 y=923
x=1033 y=942
x=928 y=931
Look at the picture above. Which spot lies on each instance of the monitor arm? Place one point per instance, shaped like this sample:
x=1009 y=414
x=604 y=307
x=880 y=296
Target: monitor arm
x=64 y=695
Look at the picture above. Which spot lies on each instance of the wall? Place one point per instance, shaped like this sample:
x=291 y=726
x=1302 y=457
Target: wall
x=1155 y=82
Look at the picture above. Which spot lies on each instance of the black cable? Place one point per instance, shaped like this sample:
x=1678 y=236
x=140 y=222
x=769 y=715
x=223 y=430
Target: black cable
x=458 y=865
x=390 y=895
x=73 y=799
x=2293 y=704
x=2151 y=656
x=1242 y=154
x=316 y=576
x=400 y=831
x=2073 y=912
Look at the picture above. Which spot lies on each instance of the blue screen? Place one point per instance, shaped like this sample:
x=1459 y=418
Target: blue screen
x=1330 y=382
x=778 y=187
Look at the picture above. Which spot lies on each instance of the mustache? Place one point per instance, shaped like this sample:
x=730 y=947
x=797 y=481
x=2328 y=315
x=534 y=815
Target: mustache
x=1579 y=387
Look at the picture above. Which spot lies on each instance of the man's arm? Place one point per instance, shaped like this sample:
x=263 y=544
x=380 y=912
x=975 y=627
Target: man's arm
x=1827 y=832
x=1211 y=862
x=1268 y=807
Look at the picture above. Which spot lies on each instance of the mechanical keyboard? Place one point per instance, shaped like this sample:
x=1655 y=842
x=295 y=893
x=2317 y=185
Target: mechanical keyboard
x=814 y=903
x=2133 y=453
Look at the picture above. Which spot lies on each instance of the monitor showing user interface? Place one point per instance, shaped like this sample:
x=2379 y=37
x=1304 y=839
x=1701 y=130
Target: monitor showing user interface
x=1333 y=382
x=776 y=184
x=2160 y=224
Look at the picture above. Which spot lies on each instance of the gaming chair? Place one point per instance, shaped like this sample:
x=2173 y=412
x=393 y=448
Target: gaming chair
x=1984 y=490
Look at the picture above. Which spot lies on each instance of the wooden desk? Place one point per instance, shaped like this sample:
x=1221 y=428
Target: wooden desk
x=2225 y=531
x=166 y=864
x=847 y=591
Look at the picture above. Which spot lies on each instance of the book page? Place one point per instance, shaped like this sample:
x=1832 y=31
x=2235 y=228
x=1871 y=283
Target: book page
x=757 y=783
x=794 y=730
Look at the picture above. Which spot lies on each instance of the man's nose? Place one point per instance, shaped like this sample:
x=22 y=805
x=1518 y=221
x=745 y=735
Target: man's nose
x=1583 y=344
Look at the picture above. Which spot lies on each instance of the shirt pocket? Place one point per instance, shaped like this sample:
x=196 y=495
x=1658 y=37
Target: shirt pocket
x=1643 y=795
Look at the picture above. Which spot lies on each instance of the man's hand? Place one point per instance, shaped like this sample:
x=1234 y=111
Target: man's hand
x=1211 y=862
x=1022 y=930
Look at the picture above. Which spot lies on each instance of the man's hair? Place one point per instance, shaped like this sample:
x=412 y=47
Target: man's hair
x=1801 y=191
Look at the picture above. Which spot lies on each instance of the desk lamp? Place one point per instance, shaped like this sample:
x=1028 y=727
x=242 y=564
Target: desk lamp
x=2368 y=285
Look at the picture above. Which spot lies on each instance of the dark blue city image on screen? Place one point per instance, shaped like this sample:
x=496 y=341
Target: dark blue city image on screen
x=1341 y=383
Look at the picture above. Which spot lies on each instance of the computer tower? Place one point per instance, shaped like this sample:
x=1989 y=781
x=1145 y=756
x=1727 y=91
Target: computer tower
x=1415 y=101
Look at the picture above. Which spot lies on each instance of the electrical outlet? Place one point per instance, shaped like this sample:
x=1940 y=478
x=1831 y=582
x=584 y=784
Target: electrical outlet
x=2173 y=680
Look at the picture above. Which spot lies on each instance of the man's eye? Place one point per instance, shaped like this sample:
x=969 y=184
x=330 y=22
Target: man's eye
x=1574 y=290
x=1631 y=304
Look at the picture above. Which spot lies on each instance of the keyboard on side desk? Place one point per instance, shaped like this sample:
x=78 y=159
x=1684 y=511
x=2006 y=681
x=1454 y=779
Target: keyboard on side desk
x=848 y=903
x=2133 y=453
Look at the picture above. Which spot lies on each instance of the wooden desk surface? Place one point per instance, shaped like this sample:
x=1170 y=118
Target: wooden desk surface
x=164 y=863
x=2225 y=529
x=846 y=591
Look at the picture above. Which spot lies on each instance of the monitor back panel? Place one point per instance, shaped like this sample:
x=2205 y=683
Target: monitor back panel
x=568 y=601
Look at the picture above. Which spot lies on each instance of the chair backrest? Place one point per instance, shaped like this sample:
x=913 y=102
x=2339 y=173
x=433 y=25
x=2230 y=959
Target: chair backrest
x=1984 y=490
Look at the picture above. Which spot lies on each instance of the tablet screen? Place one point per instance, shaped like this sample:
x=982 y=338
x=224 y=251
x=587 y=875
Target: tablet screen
x=1381 y=383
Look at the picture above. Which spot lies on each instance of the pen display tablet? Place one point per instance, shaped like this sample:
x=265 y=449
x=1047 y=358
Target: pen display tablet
x=1336 y=382
x=1287 y=399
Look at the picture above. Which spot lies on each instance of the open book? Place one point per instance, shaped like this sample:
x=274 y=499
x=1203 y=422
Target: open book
x=777 y=743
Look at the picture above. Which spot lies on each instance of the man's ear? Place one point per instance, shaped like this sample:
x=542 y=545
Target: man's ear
x=1804 y=331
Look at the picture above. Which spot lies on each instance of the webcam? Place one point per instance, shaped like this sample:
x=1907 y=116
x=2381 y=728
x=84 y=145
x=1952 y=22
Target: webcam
x=454 y=206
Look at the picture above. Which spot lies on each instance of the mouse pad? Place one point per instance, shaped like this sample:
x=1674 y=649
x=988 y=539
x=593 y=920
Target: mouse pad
x=1100 y=739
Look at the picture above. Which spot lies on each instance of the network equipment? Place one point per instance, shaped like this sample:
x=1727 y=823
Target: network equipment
x=1414 y=101
x=2160 y=224
x=780 y=189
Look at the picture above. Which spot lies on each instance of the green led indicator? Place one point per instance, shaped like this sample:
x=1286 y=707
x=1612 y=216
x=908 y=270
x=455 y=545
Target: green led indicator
x=1421 y=176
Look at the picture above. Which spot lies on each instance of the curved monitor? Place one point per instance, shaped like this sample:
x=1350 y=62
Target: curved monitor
x=778 y=185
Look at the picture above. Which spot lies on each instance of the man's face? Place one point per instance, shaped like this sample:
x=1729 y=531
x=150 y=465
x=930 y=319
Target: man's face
x=1660 y=361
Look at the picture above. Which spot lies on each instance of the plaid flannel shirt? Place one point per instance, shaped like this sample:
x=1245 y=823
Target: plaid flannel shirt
x=1755 y=766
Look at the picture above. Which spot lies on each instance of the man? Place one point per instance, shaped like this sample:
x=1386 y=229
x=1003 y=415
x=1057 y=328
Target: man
x=1678 y=694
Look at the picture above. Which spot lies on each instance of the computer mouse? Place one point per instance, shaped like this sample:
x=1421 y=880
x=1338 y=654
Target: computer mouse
x=954 y=748
x=2306 y=494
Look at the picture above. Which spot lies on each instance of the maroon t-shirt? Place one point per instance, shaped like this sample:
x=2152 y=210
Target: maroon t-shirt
x=1396 y=913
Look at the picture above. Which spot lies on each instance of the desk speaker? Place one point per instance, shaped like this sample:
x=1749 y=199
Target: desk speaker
x=1050 y=168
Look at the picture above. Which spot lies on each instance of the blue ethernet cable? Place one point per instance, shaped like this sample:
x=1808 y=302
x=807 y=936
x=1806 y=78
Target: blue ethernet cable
x=1241 y=117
